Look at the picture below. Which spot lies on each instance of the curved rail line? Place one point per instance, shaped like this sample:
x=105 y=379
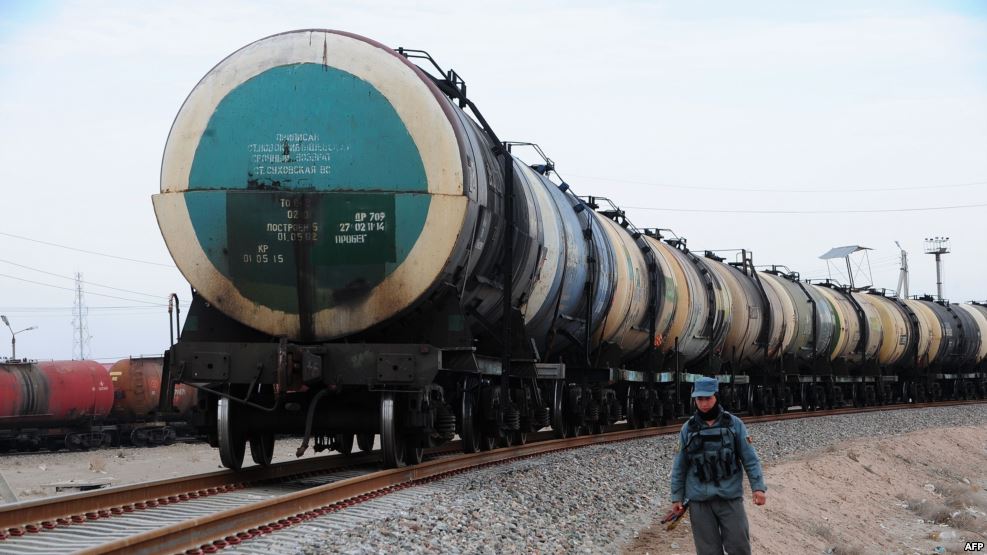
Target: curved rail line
x=235 y=525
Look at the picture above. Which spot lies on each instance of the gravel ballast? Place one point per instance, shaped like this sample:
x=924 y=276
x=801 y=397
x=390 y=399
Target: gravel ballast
x=586 y=500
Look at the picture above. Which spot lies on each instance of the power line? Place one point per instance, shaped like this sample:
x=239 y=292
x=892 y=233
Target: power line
x=770 y=190
x=57 y=308
x=87 y=251
x=33 y=316
x=871 y=211
x=73 y=290
x=85 y=282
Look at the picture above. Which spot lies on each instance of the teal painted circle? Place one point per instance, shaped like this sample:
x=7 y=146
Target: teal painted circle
x=306 y=127
x=306 y=189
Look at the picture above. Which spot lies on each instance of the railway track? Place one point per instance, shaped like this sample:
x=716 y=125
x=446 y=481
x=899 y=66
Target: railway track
x=228 y=508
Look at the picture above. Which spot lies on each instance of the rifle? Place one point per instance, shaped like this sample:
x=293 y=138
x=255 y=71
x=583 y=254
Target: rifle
x=672 y=517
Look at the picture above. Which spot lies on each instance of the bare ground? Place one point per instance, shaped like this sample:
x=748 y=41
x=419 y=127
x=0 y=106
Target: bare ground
x=921 y=492
x=29 y=474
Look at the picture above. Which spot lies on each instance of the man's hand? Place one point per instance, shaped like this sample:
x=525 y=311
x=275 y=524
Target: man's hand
x=759 y=498
x=673 y=515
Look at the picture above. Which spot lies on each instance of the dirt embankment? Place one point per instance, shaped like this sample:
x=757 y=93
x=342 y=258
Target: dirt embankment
x=923 y=492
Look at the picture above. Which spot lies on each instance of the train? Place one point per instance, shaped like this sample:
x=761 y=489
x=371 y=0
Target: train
x=367 y=257
x=82 y=404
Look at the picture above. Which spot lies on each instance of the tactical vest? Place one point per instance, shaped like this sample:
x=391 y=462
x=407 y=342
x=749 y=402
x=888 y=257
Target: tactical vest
x=713 y=453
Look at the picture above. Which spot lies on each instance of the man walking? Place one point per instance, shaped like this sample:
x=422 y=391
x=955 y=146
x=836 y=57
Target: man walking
x=713 y=445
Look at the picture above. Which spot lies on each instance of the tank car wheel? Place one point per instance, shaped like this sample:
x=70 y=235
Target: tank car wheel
x=413 y=455
x=138 y=438
x=232 y=438
x=170 y=436
x=488 y=442
x=767 y=400
x=262 y=447
x=365 y=442
x=469 y=432
x=392 y=442
x=558 y=411
x=632 y=419
x=344 y=443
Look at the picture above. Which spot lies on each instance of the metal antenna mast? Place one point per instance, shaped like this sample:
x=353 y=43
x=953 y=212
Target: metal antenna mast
x=937 y=246
x=845 y=253
x=80 y=312
x=902 y=291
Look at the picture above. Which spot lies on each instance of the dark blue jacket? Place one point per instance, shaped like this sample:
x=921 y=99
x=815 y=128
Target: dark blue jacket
x=686 y=483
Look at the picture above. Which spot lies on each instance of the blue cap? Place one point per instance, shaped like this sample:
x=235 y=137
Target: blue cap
x=705 y=387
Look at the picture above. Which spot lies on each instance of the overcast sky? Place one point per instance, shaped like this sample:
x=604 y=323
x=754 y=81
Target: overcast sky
x=779 y=127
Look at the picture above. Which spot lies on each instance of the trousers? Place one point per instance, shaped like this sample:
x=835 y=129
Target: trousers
x=718 y=525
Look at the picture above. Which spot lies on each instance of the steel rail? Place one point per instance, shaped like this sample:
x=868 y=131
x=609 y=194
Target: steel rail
x=91 y=505
x=318 y=500
x=190 y=534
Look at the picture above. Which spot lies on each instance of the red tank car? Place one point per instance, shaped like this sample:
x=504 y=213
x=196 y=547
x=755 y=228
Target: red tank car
x=137 y=387
x=137 y=383
x=59 y=396
x=55 y=391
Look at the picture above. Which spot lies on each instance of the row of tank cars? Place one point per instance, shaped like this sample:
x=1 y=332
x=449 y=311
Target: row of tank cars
x=78 y=404
x=368 y=257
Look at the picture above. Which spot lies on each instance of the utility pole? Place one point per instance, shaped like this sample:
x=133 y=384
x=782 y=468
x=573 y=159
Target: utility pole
x=80 y=335
x=902 y=291
x=937 y=246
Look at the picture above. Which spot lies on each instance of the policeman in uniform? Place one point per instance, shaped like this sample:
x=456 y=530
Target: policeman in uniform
x=713 y=445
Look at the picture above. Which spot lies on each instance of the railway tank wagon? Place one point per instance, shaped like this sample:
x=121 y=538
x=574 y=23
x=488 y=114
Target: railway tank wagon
x=368 y=257
x=54 y=404
x=136 y=393
x=347 y=249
